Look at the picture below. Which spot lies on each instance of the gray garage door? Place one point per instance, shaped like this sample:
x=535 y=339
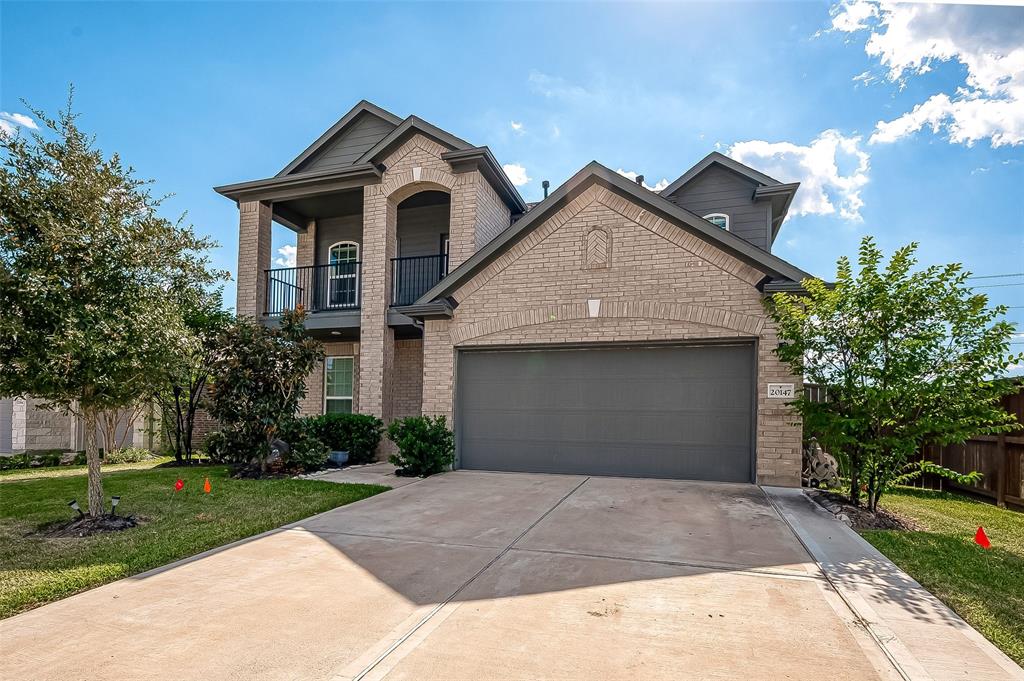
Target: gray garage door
x=6 y=411
x=666 y=412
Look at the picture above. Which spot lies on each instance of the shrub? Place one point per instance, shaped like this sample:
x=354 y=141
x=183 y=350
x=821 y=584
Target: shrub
x=259 y=376
x=40 y=458
x=232 y=446
x=126 y=455
x=306 y=452
x=357 y=434
x=425 y=445
x=8 y=463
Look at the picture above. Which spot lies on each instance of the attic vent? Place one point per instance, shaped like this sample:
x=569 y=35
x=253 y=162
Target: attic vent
x=640 y=180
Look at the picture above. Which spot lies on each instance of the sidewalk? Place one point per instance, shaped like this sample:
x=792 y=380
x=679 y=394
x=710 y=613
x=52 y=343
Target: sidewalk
x=922 y=637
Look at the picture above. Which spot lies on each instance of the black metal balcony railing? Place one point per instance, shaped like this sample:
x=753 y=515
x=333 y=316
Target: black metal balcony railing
x=316 y=288
x=412 y=277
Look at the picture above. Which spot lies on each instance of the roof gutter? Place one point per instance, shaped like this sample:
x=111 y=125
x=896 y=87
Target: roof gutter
x=441 y=309
x=301 y=184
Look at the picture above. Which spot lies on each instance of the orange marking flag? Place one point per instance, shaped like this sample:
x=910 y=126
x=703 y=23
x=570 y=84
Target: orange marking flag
x=179 y=485
x=206 y=486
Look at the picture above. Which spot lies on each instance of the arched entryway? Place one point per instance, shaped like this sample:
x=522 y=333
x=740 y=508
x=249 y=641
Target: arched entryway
x=421 y=253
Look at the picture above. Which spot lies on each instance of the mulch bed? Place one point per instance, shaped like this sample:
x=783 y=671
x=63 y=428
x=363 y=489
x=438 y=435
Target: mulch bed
x=857 y=517
x=86 y=527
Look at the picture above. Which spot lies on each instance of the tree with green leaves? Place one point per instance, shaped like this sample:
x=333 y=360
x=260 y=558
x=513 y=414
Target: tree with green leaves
x=88 y=271
x=908 y=356
x=185 y=378
x=259 y=376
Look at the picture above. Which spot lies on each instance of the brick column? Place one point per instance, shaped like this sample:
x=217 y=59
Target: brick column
x=462 y=223
x=253 y=257
x=376 y=338
x=438 y=369
x=19 y=424
x=305 y=246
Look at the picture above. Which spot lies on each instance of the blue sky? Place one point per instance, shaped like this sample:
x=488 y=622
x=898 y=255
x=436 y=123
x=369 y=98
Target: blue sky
x=201 y=94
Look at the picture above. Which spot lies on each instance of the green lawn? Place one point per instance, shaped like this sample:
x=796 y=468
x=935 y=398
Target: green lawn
x=986 y=587
x=71 y=471
x=34 y=571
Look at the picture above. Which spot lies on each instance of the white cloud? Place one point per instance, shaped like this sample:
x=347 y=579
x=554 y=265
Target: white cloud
x=20 y=119
x=286 y=256
x=662 y=183
x=909 y=39
x=832 y=170
x=9 y=122
x=516 y=127
x=516 y=174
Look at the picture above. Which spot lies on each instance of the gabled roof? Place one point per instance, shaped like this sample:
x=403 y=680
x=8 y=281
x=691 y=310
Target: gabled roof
x=363 y=107
x=594 y=172
x=408 y=127
x=768 y=188
x=720 y=159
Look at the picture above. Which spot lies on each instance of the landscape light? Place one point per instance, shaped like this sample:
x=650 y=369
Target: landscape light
x=114 y=501
x=75 y=507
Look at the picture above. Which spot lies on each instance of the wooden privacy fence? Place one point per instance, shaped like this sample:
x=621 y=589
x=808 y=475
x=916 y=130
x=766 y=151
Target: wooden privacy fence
x=1000 y=459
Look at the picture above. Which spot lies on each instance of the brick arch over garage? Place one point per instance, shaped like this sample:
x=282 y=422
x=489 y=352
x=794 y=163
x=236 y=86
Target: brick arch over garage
x=618 y=309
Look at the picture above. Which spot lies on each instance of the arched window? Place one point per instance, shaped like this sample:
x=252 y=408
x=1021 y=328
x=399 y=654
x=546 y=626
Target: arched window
x=343 y=275
x=719 y=220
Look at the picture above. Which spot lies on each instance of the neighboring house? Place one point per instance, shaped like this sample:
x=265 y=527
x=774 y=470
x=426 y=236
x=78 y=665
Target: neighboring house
x=26 y=426
x=607 y=329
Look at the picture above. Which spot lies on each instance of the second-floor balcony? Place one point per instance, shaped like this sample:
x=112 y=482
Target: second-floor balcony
x=338 y=286
x=412 y=277
x=316 y=287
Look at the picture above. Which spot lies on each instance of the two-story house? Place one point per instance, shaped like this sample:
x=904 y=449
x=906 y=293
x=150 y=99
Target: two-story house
x=608 y=329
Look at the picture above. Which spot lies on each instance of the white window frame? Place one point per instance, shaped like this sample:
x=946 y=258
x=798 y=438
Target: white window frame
x=719 y=215
x=354 y=275
x=350 y=398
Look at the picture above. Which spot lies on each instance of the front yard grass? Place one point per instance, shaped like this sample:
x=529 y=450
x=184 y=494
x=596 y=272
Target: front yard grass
x=71 y=471
x=36 y=570
x=985 y=587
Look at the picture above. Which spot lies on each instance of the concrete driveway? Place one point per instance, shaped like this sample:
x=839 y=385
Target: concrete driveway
x=474 y=575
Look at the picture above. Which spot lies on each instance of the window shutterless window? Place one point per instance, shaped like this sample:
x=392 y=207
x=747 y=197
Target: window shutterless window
x=719 y=220
x=343 y=280
x=338 y=385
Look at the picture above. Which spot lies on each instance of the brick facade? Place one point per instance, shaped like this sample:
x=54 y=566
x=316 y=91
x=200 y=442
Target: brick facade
x=254 y=219
x=313 y=403
x=600 y=269
x=661 y=284
x=407 y=387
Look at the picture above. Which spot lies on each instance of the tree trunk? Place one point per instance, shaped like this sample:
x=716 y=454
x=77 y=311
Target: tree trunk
x=92 y=460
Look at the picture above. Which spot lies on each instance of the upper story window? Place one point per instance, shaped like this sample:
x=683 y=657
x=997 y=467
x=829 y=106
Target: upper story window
x=719 y=220
x=343 y=275
x=344 y=251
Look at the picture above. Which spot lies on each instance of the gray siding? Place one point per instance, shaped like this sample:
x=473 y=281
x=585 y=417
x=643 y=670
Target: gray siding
x=420 y=229
x=6 y=423
x=353 y=143
x=330 y=231
x=718 y=190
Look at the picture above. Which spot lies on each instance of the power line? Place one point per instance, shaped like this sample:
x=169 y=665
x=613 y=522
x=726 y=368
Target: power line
x=1019 y=283
x=997 y=276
